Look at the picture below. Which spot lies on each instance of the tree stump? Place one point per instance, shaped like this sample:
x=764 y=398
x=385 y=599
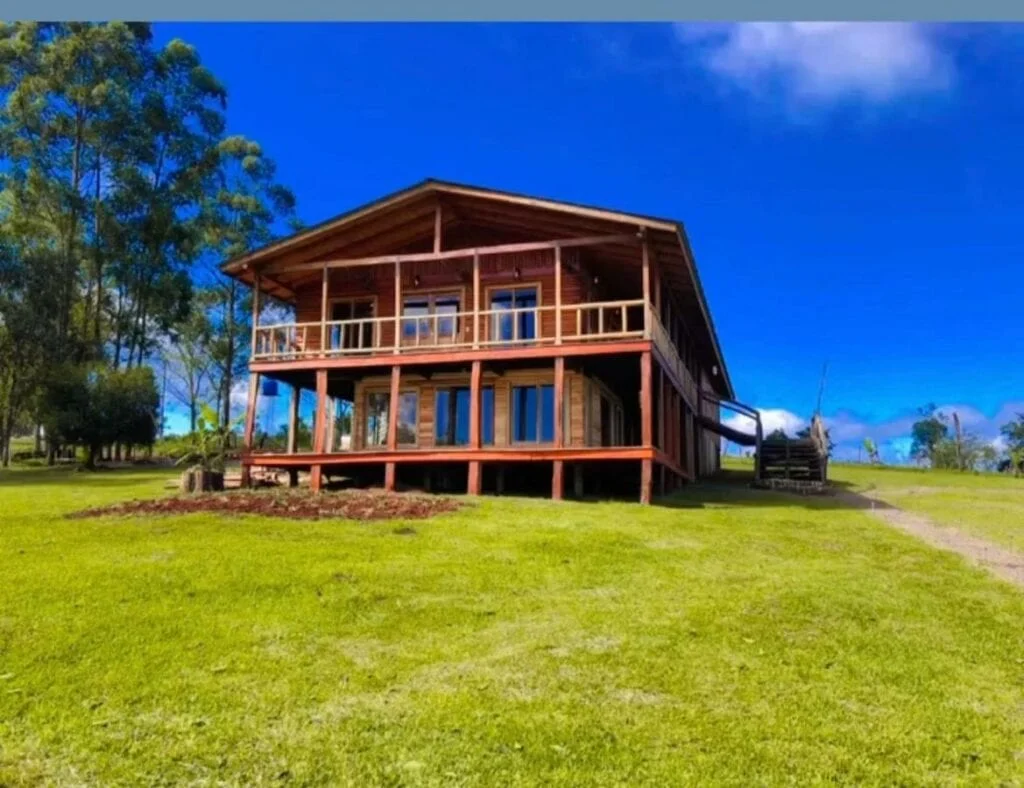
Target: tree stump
x=198 y=480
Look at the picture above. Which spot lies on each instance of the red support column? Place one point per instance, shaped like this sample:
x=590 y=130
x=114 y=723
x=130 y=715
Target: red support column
x=646 y=409
x=473 y=485
x=646 y=480
x=319 y=429
x=558 y=468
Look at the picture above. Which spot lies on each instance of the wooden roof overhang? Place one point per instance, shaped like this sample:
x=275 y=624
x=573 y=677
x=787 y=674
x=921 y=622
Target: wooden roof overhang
x=403 y=224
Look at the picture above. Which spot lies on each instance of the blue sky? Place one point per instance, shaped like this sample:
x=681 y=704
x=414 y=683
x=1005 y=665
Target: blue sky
x=853 y=193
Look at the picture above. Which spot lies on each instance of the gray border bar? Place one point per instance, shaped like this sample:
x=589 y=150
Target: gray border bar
x=517 y=10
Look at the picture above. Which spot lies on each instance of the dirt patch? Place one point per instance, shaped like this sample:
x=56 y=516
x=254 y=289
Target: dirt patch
x=1002 y=562
x=294 y=504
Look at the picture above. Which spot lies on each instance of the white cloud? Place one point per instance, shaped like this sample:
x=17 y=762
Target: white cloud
x=892 y=436
x=822 y=62
x=771 y=419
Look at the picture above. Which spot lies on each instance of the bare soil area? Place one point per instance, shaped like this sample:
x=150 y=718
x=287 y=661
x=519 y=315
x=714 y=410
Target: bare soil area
x=295 y=504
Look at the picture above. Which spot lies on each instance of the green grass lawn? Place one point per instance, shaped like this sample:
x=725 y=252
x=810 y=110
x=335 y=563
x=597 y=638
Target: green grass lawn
x=987 y=505
x=731 y=638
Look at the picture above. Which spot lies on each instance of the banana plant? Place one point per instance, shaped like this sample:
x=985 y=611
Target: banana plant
x=210 y=442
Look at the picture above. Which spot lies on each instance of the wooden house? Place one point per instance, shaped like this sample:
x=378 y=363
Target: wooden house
x=486 y=341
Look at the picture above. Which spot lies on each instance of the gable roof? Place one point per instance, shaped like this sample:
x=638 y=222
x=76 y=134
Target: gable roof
x=668 y=236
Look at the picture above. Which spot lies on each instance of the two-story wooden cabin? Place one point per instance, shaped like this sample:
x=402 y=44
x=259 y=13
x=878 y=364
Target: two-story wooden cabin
x=488 y=341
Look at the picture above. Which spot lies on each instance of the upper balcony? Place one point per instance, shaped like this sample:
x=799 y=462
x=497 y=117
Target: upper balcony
x=441 y=272
x=436 y=325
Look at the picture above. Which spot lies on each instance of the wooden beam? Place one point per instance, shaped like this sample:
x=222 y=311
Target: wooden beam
x=476 y=300
x=398 y=304
x=457 y=254
x=293 y=419
x=646 y=410
x=645 y=269
x=558 y=295
x=396 y=374
x=316 y=477
x=389 y=477
x=255 y=312
x=474 y=404
x=319 y=423
x=557 y=480
x=646 y=480
x=473 y=481
x=250 y=410
x=323 y=311
x=437 y=227
x=456 y=455
x=429 y=358
x=559 y=395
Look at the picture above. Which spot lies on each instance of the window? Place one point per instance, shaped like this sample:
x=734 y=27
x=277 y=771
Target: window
x=421 y=324
x=451 y=416
x=408 y=410
x=533 y=414
x=377 y=418
x=515 y=325
x=351 y=335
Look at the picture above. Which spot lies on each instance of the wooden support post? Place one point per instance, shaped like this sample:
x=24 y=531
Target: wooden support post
x=320 y=422
x=473 y=486
x=557 y=480
x=476 y=300
x=255 y=311
x=559 y=402
x=398 y=304
x=558 y=295
x=646 y=411
x=474 y=404
x=316 y=478
x=396 y=374
x=389 y=477
x=250 y=411
x=323 y=310
x=293 y=477
x=646 y=480
x=437 y=228
x=645 y=257
x=293 y=419
x=577 y=480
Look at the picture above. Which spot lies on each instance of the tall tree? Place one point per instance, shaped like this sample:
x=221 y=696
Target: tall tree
x=243 y=212
x=926 y=433
x=189 y=363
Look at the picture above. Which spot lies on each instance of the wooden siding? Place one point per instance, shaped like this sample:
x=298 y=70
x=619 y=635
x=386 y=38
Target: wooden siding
x=496 y=272
x=581 y=428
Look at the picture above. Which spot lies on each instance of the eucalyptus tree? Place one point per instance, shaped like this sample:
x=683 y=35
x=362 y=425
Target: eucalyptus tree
x=245 y=210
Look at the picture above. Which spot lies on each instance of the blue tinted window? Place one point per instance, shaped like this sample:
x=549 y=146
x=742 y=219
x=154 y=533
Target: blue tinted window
x=533 y=414
x=452 y=416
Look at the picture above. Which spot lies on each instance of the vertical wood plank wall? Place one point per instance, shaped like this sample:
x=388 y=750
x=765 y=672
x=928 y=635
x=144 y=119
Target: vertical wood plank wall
x=582 y=428
x=535 y=268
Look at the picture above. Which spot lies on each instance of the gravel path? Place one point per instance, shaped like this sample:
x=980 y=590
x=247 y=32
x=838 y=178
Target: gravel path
x=1002 y=562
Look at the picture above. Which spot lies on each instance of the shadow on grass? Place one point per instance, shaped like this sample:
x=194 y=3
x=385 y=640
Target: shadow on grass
x=731 y=487
x=64 y=475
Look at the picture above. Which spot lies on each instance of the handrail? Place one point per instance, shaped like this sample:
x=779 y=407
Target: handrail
x=522 y=325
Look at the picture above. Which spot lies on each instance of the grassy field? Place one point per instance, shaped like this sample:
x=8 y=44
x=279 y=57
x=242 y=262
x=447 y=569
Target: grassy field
x=987 y=505
x=730 y=637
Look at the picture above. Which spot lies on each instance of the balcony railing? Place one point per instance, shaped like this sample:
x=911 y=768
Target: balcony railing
x=523 y=326
x=489 y=328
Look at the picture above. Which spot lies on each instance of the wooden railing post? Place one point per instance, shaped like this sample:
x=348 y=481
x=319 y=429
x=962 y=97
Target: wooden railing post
x=398 y=304
x=476 y=300
x=558 y=295
x=323 y=312
x=255 y=310
x=293 y=418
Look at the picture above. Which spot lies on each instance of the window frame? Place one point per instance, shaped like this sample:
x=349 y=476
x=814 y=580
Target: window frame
x=450 y=390
x=432 y=296
x=493 y=335
x=386 y=394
